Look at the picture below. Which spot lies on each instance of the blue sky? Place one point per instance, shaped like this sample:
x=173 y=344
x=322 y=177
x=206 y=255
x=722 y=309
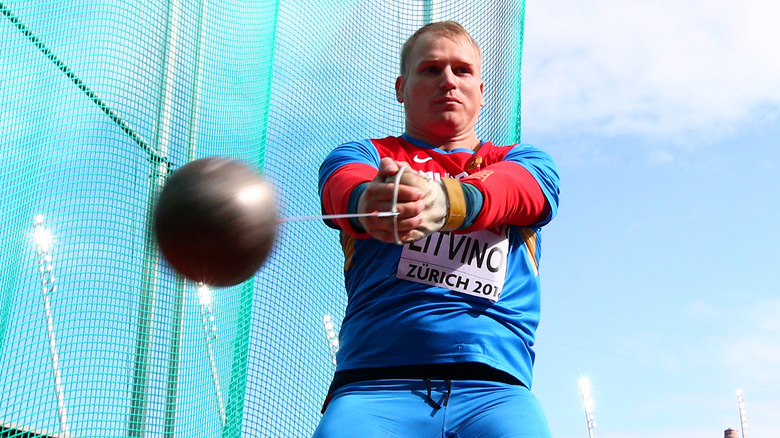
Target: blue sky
x=660 y=273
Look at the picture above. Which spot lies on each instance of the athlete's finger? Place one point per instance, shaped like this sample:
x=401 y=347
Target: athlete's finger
x=388 y=167
x=413 y=179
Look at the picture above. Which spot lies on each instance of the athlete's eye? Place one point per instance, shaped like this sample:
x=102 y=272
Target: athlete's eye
x=464 y=70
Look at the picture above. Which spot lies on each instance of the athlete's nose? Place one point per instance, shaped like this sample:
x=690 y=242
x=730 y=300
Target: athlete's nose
x=447 y=79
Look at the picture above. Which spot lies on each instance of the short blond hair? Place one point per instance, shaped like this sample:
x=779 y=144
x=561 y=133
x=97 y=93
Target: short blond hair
x=450 y=29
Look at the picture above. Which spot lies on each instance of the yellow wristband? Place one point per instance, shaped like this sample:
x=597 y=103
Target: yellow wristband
x=456 y=204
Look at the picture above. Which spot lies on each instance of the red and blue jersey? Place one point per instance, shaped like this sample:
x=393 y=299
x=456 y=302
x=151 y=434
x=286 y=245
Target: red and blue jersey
x=466 y=296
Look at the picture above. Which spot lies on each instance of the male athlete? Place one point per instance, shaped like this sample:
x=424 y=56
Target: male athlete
x=443 y=298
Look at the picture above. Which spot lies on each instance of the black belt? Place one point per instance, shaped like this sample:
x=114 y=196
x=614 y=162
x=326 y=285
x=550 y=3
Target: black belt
x=446 y=372
x=449 y=371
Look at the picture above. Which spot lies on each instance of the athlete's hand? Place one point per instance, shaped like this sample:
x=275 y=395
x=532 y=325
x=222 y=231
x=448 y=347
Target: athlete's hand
x=378 y=196
x=435 y=210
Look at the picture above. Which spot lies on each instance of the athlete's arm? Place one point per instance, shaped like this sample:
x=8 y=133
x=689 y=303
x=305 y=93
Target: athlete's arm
x=520 y=190
x=353 y=180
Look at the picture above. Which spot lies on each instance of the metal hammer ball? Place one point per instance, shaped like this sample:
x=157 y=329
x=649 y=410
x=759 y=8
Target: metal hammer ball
x=215 y=221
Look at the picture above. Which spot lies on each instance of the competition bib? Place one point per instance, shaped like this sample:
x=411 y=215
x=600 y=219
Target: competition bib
x=472 y=264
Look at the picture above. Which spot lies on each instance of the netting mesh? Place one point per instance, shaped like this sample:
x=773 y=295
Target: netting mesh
x=99 y=101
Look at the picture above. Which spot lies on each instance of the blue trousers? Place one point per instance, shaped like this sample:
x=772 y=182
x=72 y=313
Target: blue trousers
x=433 y=409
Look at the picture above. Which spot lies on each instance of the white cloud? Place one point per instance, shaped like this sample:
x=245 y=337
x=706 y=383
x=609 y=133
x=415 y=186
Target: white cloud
x=664 y=69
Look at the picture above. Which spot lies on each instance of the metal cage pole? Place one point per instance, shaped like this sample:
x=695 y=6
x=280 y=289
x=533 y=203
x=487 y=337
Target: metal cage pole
x=158 y=172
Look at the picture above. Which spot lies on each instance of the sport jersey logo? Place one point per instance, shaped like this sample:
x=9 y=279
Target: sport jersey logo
x=421 y=160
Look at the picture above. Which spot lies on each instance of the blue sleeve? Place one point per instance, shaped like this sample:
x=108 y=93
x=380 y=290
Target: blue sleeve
x=362 y=151
x=543 y=169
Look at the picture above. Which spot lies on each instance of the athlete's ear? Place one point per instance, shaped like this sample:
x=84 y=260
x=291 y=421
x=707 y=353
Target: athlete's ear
x=481 y=94
x=400 y=82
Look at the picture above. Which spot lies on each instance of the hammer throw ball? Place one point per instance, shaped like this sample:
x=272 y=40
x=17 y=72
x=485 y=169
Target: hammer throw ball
x=215 y=221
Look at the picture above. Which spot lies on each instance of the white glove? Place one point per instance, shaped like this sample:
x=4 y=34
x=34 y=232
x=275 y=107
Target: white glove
x=445 y=205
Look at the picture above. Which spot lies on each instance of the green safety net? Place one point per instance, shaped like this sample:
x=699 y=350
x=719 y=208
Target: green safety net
x=100 y=100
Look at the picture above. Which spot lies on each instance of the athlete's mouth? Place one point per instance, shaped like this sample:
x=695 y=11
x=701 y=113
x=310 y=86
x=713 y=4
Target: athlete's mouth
x=447 y=99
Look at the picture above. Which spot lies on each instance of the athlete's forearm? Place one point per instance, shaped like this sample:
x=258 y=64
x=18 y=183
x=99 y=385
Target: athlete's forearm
x=336 y=191
x=511 y=195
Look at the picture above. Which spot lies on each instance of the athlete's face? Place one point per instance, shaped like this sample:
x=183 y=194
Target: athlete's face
x=442 y=90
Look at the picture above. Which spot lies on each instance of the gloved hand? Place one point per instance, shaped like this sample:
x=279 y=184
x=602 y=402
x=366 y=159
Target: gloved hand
x=444 y=204
x=423 y=205
x=380 y=195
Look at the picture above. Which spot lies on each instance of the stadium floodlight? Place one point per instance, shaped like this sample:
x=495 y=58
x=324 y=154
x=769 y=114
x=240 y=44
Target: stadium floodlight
x=587 y=403
x=742 y=417
x=204 y=295
x=42 y=235
x=43 y=239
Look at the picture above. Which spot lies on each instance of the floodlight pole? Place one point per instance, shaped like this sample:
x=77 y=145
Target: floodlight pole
x=210 y=331
x=332 y=336
x=590 y=425
x=742 y=416
x=587 y=403
x=46 y=271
